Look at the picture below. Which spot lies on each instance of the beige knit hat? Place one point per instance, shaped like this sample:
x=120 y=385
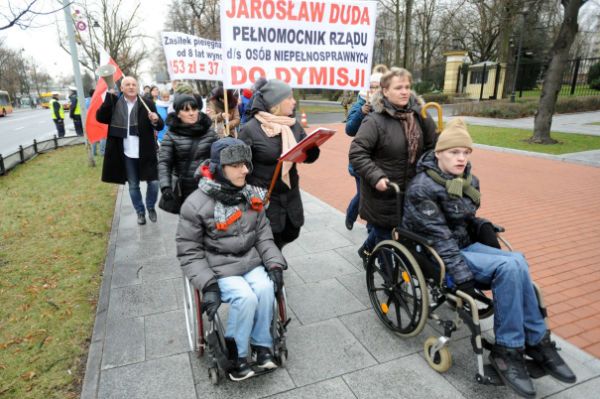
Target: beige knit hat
x=455 y=134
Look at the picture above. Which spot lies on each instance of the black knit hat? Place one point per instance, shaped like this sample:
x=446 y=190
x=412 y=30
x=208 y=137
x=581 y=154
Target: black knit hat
x=229 y=151
x=184 y=100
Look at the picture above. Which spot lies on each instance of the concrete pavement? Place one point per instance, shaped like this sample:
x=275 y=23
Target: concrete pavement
x=337 y=346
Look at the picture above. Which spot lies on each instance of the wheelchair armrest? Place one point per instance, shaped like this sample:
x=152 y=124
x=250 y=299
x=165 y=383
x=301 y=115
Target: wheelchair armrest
x=498 y=228
x=414 y=236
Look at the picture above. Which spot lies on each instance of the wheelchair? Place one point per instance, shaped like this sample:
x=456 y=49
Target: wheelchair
x=407 y=285
x=209 y=336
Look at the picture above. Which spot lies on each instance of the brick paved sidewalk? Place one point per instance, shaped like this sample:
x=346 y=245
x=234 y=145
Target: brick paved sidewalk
x=551 y=210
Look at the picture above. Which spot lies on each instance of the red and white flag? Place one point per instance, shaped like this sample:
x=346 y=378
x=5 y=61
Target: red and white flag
x=97 y=131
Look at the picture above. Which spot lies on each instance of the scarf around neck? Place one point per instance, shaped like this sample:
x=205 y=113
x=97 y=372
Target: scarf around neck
x=118 y=122
x=412 y=130
x=231 y=201
x=274 y=125
x=458 y=186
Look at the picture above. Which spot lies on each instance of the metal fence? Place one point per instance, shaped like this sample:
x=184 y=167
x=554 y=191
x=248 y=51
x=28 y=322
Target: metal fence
x=25 y=153
x=575 y=80
x=429 y=79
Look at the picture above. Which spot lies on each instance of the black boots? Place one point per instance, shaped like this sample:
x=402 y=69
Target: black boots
x=510 y=366
x=547 y=357
x=141 y=219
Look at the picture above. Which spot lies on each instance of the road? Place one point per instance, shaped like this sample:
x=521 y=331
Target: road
x=21 y=127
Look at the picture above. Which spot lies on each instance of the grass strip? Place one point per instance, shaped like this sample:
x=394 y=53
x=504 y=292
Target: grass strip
x=517 y=139
x=55 y=223
x=594 y=123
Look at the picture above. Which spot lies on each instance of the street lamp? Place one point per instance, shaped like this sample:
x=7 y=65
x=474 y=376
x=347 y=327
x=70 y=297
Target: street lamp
x=514 y=86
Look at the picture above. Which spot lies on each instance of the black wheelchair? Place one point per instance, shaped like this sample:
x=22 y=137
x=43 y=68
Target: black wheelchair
x=222 y=351
x=407 y=285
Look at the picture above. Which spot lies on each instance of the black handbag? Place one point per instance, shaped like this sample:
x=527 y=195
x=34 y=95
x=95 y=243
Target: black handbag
x=174 y=205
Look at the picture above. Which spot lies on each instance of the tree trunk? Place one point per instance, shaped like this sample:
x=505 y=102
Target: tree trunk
x=553 y=79
x=407 y=33
x=397 y=42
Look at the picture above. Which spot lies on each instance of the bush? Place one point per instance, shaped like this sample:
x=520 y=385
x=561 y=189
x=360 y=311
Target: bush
x=506 y=110
x=595 y=84
x=439 y=98
x=593 y=77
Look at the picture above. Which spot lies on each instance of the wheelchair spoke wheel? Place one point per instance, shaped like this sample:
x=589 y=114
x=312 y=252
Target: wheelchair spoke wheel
x=193 y=321
x=397 y=289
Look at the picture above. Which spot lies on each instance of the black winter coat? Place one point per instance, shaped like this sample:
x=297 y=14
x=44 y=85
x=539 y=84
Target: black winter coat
x=174 y=154
x=284 y=201
x=113 y=169
x=430 y=212
x=380 y=149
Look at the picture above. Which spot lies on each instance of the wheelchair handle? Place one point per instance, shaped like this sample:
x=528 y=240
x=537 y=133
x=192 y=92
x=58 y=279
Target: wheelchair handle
x=396 y=188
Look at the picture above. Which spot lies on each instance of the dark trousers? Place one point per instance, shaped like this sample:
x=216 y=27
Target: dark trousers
x=287 y=235
x=60 y=127
x=78 y=125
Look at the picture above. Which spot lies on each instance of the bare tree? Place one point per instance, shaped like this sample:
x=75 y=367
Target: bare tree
x=118 y=35
x=553 y=76
x=22 y=13
x=394 y=9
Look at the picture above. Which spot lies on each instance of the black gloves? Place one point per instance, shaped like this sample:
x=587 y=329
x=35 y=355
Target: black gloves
x=468 y=287
x=211 y=300
x=167 y=193
x=276 y=276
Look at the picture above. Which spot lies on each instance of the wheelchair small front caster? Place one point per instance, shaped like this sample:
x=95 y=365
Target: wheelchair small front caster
x=439 y=360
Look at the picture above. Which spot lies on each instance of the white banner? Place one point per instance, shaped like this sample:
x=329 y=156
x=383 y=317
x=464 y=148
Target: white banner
x=321 y=44
x=192 y=57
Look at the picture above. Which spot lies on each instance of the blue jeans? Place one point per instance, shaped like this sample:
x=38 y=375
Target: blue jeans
x=250 y=299
x=102 y=147
x=132 y=168
x=376 y=234
x=352 y=211
x=517 y=316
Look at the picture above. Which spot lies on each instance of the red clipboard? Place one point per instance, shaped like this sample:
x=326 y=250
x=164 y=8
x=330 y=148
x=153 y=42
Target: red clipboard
x=298 y=152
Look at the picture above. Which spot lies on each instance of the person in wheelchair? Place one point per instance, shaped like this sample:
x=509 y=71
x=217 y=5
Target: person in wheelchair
x=226 y=248
x=440 y=204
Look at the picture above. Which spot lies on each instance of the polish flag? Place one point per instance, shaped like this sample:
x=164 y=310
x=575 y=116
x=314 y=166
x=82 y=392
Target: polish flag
x=97 y=131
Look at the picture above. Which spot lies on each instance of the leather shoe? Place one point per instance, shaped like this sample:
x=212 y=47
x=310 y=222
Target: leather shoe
x=141 y=219
x=546 y=356
x=349 y=224
x=152 y=215
x=509 y=363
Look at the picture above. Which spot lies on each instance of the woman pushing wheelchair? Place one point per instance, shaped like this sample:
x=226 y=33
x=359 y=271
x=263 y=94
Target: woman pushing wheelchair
x=440 y=204
x=226 y=249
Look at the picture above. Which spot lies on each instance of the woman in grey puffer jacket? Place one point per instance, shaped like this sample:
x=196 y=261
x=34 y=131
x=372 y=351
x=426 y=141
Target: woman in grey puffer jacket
x=188 y=128
x=226 y=249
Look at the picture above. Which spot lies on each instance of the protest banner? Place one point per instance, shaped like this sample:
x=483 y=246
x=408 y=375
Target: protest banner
x=192 y=57
x=308 y=44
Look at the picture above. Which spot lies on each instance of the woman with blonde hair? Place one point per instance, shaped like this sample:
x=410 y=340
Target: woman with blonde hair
x=386 y=148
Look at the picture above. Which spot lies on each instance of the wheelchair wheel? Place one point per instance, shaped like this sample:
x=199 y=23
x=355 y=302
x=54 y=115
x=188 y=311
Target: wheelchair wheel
x=193 y=318
x=485 y=305
x=278 y=329
x=213 y=375
x=397 y=289
x=441 y=360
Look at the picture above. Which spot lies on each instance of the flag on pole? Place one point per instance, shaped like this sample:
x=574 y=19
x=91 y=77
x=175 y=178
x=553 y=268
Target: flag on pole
x=97 y=131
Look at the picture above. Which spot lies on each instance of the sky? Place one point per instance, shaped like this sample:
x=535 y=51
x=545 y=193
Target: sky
x=41 y=42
